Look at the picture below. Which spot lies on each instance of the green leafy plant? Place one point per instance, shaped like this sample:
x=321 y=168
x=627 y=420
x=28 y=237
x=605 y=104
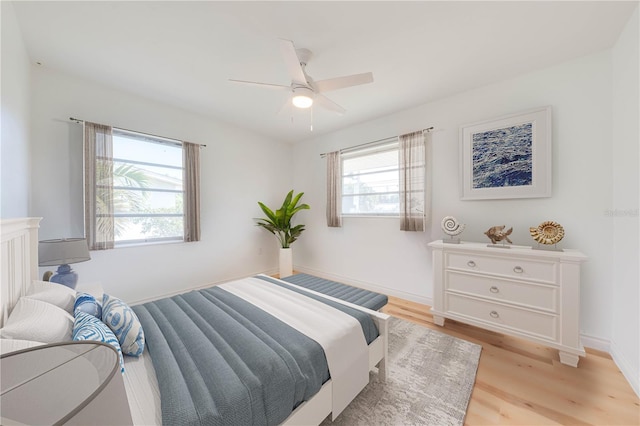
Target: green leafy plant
x=279 y=222
x=118 y=176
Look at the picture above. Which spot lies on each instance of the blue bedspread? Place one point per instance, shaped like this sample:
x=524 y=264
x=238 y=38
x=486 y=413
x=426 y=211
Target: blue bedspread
x=222 y=361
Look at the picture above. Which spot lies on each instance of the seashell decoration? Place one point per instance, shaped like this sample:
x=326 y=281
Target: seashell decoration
x=548 y=232
x=451 y=226
x=497 y=234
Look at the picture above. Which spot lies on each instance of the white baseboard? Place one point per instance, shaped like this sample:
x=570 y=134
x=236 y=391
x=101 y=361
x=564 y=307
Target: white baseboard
x=629 y=371
x=597 y=343
x=367 y=286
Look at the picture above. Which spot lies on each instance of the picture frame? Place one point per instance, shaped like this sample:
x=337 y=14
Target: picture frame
x=507 y=157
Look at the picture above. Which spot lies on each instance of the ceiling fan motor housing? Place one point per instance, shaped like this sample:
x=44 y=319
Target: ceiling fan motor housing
x=304 y=55
x=302 y=97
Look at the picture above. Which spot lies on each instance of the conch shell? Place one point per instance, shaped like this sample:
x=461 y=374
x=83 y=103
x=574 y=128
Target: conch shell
x=547 y=232
x=451 y=226
x=497 y=233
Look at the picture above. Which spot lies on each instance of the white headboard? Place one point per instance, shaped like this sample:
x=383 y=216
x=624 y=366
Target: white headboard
x=19 y=260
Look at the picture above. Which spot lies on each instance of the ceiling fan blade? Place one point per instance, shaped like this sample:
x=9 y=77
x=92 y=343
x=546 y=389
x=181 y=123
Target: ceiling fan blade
x=292 y=62
x=285 y=105
x=342 y=82
x=267 y=85
x=328 y=104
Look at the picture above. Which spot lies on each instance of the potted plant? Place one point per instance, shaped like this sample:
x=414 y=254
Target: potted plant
x=279 y=224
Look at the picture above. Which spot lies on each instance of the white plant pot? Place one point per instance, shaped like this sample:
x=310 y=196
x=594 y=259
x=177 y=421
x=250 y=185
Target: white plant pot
x=286 y=262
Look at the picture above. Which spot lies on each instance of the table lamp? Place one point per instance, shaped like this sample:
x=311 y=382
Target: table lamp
x=63 y=252
x=66 y=383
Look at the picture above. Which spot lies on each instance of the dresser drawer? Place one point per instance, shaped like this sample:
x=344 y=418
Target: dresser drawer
x=509 y=317
x=539 y=296
x=511 y=267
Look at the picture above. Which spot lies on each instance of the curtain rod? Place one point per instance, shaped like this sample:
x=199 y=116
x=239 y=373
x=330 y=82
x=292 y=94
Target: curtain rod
x=78 y=120
x=428 y=129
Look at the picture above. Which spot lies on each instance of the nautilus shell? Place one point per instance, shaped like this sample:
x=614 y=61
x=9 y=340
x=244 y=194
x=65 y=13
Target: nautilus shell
x=451 y=226
x=547 y=232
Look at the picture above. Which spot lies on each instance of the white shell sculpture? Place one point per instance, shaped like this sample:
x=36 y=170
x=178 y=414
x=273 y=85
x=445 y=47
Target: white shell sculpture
x=451 y=226
x=547 y=232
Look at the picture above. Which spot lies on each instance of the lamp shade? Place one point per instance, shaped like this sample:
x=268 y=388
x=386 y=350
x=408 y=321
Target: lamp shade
x=70 y=383
x=63 y=251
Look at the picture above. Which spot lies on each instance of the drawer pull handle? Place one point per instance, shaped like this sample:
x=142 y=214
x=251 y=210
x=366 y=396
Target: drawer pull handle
x=494 y=314
x=518 y=270
x=471 y=264
x=494 y=289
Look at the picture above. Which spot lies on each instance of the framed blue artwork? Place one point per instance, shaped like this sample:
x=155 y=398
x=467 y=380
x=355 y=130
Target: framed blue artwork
x=507 y=157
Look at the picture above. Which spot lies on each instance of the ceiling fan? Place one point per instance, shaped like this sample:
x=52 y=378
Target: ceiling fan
x=304 y=90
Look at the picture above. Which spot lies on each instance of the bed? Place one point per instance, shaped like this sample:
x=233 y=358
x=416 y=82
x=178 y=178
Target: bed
x=307 y=315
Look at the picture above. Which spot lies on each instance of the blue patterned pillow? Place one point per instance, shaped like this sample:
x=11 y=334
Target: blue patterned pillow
x=87 y=304
x=124 y=323
x=88 y=327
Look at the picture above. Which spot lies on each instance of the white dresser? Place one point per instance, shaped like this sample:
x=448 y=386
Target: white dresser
x=533 y=294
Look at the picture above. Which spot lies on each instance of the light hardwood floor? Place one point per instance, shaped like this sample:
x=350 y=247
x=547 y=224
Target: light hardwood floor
x=522 y=383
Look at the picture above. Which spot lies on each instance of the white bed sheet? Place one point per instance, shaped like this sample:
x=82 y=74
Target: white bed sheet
x=143 y=393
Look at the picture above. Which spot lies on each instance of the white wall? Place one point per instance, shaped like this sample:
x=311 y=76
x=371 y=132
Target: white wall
x=376 y=254
x=239 y=168
x=15 y=165
x=625 y=335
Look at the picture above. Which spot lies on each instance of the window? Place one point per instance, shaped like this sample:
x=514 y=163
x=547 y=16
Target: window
x=382 y=178
x=148 y=192
x=139 y=188
x=370 y=181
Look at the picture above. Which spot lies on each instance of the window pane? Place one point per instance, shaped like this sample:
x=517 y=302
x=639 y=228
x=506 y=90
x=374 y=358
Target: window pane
x=148 y=228
x=370 y=183
x=153 y=208
x=145 y=176
x=143 y=149
x=379 y=161
x=149 y=202
x=375 y=204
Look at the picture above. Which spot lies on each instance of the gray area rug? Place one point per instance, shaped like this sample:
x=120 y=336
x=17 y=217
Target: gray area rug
x=431 y=378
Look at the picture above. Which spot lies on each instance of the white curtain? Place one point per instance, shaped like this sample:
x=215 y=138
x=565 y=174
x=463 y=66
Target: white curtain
x=414 y=203
x=191 y=179
x=98 y=175
x=334 y=189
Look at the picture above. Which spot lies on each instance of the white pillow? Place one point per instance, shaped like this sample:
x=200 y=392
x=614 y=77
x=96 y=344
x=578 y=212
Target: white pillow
x=56 y=294
x=39 y=321
x=12 y=345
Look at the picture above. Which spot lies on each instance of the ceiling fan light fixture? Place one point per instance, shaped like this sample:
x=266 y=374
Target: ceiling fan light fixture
x=302 y=97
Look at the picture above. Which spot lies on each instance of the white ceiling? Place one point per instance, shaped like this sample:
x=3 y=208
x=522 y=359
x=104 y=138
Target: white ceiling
x=183 y=53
